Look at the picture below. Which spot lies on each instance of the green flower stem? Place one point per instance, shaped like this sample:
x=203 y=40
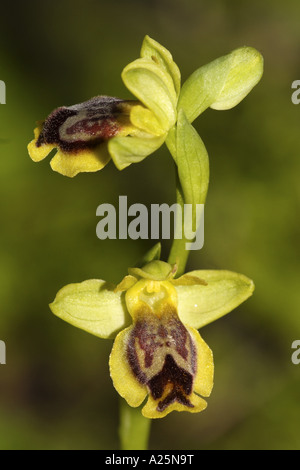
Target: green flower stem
x=178 y=253
x=134 y=428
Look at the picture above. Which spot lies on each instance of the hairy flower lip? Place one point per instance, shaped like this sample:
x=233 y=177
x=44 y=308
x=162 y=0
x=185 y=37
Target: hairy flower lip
x=86 y=124
x=158 y=355
x=83 y=135
x=128 y=137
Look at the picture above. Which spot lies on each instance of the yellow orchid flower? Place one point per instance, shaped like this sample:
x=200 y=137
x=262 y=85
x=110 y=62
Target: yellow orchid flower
x=80 y=133
x=154 y=319
x=89 y=134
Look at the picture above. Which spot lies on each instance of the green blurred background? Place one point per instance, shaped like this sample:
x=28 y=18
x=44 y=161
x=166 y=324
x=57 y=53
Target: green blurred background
x=55 y=390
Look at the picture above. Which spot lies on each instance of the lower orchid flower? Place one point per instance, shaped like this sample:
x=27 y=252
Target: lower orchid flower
x=154 y=318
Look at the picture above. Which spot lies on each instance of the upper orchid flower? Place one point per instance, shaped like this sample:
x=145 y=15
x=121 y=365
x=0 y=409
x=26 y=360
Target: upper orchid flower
x=88 y=134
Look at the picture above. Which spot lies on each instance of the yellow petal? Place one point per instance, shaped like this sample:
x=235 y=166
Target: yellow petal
x=122 y=376
x=38 y=153
x=150 y=409
x=204 y=378
x=87 y=160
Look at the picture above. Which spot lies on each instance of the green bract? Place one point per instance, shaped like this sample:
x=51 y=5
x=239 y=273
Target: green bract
x=193 y=165
x=221 y=84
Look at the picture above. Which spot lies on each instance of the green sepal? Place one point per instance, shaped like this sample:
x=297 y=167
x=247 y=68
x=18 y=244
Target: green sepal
x=127 y=150
x=155 y=270
x=151 y=49
x=221 y=84
x=199 y=305
x=188 y=280
x=154 y=87
x=92 y=306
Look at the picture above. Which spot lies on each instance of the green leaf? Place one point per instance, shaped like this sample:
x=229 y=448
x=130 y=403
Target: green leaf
x=154 y=87
x=92 y=306
x=221 y=84
x=193 y=164
x=131 y=149
x=199 y=305
x=153 y=50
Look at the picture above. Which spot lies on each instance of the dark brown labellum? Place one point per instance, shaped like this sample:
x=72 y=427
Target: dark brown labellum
x=84 y=125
